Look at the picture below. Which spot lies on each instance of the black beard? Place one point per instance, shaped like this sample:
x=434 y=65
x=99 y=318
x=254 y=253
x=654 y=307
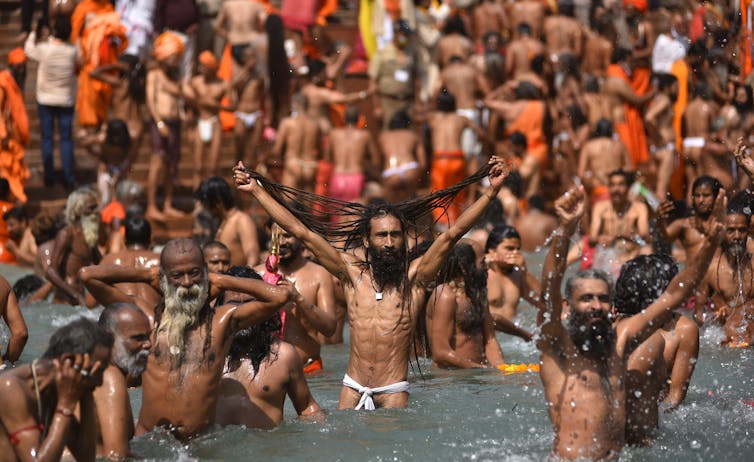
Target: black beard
x=291 y=256
x=742 y=107
x=597 y=339
x=388 y=267
x=734 y=250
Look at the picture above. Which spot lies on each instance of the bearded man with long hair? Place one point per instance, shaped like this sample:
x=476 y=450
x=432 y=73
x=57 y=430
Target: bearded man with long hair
x=190 y=339
x=76 y=246
x=585 y=360
x=383 y=289
x=459 y=323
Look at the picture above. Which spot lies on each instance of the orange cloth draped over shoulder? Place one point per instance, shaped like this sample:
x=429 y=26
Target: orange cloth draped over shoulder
x=103 y=40
x=531 y=122
x=12 y=162
x=631 y=131
x=225 y=72
x=82 y=10
x=680 y=71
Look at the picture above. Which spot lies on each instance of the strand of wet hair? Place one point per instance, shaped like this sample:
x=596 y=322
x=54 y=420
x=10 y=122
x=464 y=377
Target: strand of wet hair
x=313 y=209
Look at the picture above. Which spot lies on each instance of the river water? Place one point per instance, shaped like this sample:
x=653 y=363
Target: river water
x=479 y=415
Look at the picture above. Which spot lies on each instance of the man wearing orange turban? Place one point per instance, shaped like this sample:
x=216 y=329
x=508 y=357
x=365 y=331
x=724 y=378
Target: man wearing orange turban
x=102 y=42
x=163 y=93
x=17 y=66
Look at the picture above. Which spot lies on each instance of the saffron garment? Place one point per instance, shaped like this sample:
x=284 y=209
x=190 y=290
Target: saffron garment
x=631 y=130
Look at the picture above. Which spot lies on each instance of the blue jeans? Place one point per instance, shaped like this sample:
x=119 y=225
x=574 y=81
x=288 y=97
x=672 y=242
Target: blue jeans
x=47 y=117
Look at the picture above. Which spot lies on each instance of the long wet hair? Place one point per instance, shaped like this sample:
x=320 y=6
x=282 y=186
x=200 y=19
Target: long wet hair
x=462 y=264
x=354 y=220
x=642 y=280
x=137 y=77
x=253 y=343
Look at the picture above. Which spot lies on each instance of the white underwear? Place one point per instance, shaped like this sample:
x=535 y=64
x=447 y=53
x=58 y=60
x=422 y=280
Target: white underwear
x=248 y=119
x=693 y=142
x=400 y=170
x=668 y=147
x=206 y=128
x=366 y=393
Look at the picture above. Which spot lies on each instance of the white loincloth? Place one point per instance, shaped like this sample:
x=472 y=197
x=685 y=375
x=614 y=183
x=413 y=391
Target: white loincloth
x=366 y=392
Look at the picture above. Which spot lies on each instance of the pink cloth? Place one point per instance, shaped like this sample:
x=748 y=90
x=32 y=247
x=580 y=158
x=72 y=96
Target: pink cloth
x=346 y=186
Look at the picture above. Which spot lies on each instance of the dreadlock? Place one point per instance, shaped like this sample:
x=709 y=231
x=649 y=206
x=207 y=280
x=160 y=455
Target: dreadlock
x=348 y=230
x=352 y=221
x=462 y=263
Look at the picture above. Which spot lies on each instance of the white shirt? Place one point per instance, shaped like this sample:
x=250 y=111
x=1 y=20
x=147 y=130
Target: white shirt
x=56 y=74
x=666 y=51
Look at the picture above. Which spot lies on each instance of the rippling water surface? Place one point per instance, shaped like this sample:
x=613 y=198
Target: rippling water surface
x=475 y=415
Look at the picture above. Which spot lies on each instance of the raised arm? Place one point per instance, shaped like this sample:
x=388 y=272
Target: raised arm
x=15 y=321
x=743 y=159
x=321 y=315
x=268 y=299
x=644 y=324
x=326 y=254
x=100 y=281
x=570 y=208
x=428 y=265
x=102 y=73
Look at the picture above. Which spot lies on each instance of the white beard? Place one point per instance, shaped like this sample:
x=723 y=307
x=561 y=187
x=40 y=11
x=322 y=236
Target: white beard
x=132 y=364
x=182 y=308
x=90 y=228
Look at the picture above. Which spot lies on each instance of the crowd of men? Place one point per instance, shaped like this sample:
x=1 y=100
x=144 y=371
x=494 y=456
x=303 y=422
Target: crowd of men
x=494 y=128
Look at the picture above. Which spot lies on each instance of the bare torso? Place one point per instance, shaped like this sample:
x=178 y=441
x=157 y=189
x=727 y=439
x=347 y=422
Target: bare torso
x=242 y=20
x=446 y=131
x=597 y=52
x=531 y=12
x=460 y=79
x=349 y=147
x=239 y=233
x=141 y=258
x=454 y=45
x=562 y=35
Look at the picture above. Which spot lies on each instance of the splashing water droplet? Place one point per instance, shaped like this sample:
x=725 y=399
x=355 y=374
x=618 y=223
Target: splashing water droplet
x=498 y=412
x=696 y=444
x=637 y=393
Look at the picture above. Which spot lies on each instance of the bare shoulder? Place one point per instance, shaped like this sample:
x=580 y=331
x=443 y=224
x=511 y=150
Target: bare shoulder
x=639 y=207
x=11 y=388
x=686 y=326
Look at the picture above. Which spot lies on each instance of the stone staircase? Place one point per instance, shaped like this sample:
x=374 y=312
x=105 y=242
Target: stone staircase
x=53 y=199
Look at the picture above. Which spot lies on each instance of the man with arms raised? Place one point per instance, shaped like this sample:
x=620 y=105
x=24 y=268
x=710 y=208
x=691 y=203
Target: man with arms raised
x=266 y=368
x=75 y=246
x=237 y=230
x=131 y=330
x=38 y=400
x=384 y=291
x=314 y=310
x=583 y=363
x=190 y=340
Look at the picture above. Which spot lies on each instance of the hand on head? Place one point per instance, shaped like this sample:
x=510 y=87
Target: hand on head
x=570 y=207
x=73 y=378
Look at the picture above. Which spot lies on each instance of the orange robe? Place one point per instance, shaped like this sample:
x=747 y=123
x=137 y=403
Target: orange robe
x=12 y=163
x=5 y=255
x=97 y=48
x=631 y=131
x=680 y=71
x=82 y=10
x=531 y=123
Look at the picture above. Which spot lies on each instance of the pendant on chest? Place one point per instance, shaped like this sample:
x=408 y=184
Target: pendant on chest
x=378 y=296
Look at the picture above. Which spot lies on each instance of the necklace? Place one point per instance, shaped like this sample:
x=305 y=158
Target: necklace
x=36 y=388
x=377 y=293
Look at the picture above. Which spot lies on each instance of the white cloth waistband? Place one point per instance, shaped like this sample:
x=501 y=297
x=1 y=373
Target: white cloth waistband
x=366 y=392
x=693 y=142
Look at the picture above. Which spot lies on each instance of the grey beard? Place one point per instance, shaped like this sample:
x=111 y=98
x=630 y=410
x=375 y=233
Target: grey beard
x=90 y=228
x=131 y=364
x=182 y=308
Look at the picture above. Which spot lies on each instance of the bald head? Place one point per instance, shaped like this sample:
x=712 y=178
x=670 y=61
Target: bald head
x=182 y=248
x=116 y=314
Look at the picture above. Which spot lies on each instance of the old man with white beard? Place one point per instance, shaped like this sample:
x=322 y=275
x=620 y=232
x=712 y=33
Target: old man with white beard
x=190 y=340
x=131 y=331
x=75 y=246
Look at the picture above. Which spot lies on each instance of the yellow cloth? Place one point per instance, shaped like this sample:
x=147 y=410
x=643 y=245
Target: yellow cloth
x=514 y=368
